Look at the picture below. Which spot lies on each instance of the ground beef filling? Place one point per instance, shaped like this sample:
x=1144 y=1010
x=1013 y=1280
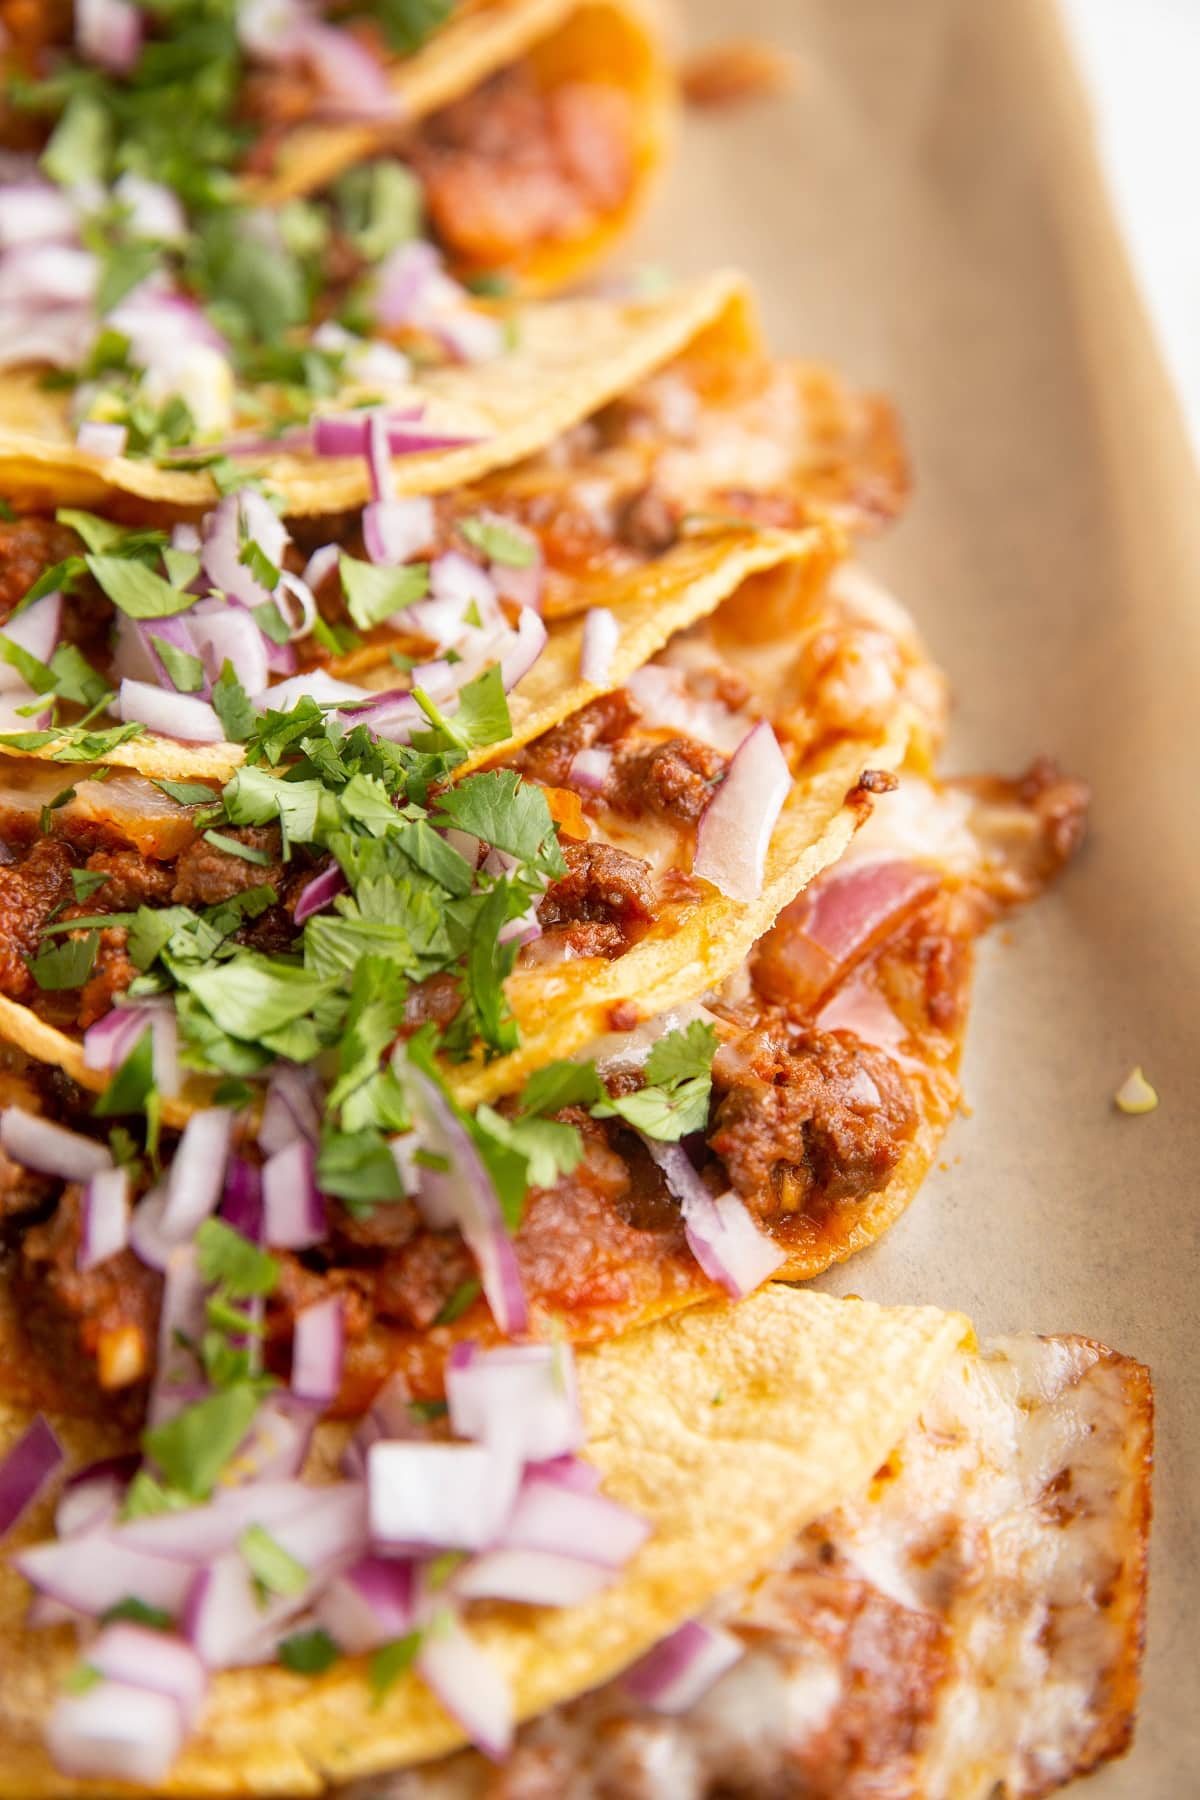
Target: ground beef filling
x=602 y=905
x=37 y=890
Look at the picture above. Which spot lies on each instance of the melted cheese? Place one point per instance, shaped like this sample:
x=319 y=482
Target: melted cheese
x=969 y=1621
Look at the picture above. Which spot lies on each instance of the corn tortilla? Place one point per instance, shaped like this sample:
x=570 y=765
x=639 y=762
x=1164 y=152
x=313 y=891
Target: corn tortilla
x=815 y=1393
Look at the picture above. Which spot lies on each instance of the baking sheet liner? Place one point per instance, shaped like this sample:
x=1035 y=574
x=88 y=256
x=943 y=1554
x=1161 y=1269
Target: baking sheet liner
x=926 y=211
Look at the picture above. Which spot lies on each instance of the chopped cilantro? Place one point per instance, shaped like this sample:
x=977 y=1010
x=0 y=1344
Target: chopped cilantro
x=133 y=1611
x=232 y=705
x=264 y=571
x=561 y=1084
x=373 y=592
x=137 y=590
x=227 y=1258
x=461 y=1301
x=275 y=1571
x=184 y=671
x=359 y=1169
x=548 y=1147
x=510 y=814
x=389 y=1663
x=81 y=1678
x=86 y=881
x=675 y=1100
x=187 y=793
x=193 y=1448
x=308 y=1652
x=681 y=1055
x=499 y=541
x=65 y=965
x=234 y=847
x=132 y=1084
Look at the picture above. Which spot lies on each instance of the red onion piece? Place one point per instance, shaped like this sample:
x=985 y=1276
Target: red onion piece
x=293 y=1104
x=468 y=1684
x=232 y=636
x=90 y=1499
x=109 y=33
x=242 y=1201
x=50 y=1149
x=590 y=769
x=532 y=1578
x=318 y=1351
x=95 y=438
x=168 y=713
x=858 y=1007
x=300 y=618
x=153 y=211
x=379 y=461
x=426 y=1497
x=293 y=1210
x=347 y=434
x=151 y=1660
x=313 y=684
x=95 y=1572
x=735 y=829
x=39 y=276
x=679 y=1671
x=601 y=635
x=464 y=1189
x=369 y=1605
x=721 y=1234
x=114 y=1732
x=197 y=1173
x=457 y=578
x=198 y=1533
x=523 y=1399
x=319 y=893
x=104 y=1225
x=523 y=651
x=60 y=337
x=521 y=587
x=35 y=212
x=354 y=84
x=568 y=1471
x=565 y=1521
x=402 y=282
x=278 y=1443
x=108 y=1042
x=222 y=552
x=396 y=531
x=181 y=1322
x=321 y=565
x=25 y=1471
x=37 y=630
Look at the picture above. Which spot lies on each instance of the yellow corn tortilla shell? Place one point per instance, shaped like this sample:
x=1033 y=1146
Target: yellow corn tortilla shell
x=571 y=357
x=562 y=1008
x=815 y=1393
x=614 y=42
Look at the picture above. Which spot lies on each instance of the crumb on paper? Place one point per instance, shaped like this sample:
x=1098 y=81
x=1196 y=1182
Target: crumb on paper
x=1135 y=1094
x=740 y=70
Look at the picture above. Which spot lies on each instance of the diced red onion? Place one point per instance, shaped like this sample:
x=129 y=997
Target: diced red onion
x=346 y=434
x=566 y=1521
x=468 y=1684
x=300 y=618
x=186 y=537
x=242 y=1201
x=96 y=438
x=37 y=630
x=270 y=28
x=464 y=1188
x=369 y=1605
x=197 y=1173
x=849 y=907
x=278 y=1443
x=402 y=282
x=108 y=1042
x=181 y=1322
x=313 y=684
x=858 y=1007
x=466 y=334
x=104 y=1223
x=293 y=1210
x=522 y=652
x=113 y=1732
x=664 y=699
x=679 y=1671
x=227 y=1622
x=60 y=337
x=523 y=1399
x=522 y=587
x=456 y=577
x=532 y=1578
x=95 y=1572
x=90 y=1498
x=35 y=212
x=321 y=565
x=262 y=525
x=427 y=1497
x=590 y=769
x=198 y=1533
x=396 y=531
x=292 y=1105
x=232 y=636
x=601 y=635
x=525 y=929
x=155 y=211
x=721 y=1234
x=109 y=32
x=568 y=1471
x=150 y=1659
x=354 y=84
x=168 y=713
x=51 y=1149
x=35 y=277
x=319 y=893
x=318 y=1350
x=735 y=829
x=379 y=461
x=222 y=551
x=25 y=1471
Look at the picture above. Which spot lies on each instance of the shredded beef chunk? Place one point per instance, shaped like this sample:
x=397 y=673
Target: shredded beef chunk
x=206 y=875
x=647 y=522
x=109 y=1312
x=509 y=167
x=604 y=721
x=674 y=779
x=602 y=904
x=29 y=893
x=807 y=1120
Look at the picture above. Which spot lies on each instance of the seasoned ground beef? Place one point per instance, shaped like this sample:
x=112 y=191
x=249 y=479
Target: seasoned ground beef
x=435 y=1000
x=602 y=722
x=510 y=167
x=675 y=779
x=131 y=880
x=603 y=903
x=29 y=893
x=206 y=875
x=807 y=1114
x=110 y=1312
x=30 y=546
x=648 y=522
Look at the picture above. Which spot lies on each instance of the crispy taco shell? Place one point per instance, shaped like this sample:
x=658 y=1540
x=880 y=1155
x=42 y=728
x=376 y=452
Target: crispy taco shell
x=610 y=44
x=815 y=1394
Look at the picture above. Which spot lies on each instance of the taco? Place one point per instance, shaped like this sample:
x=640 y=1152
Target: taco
x=804 y=1546
x=777 y=1118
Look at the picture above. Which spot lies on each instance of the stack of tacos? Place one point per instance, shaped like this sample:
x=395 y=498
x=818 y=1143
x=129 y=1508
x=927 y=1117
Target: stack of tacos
x=479 y=918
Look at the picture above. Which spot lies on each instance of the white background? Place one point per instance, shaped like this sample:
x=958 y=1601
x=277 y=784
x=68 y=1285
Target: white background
x=1141 y=60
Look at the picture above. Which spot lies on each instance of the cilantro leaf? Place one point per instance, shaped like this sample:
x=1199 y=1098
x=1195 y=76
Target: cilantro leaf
x=232 y=705
x=549 y=1147
x=86 y=881
x=251 y=996
x=193 y=1448
x=65 y=965
x=561 y=1084
x=681 y=1054
x=132 y=1084
x=187 y=793
x=136 y=1612
x=359 y=1168
x=137 y=590
x=231 y=846
x=507 y=813
x=184 y=671
x=461 y=1301
x=308 y=1652
x=274 y=1569
x=227 y=1258
x=500 y=541
x=374 y=592
x=661 y=1113
x=389 y=1663
x=480 y=717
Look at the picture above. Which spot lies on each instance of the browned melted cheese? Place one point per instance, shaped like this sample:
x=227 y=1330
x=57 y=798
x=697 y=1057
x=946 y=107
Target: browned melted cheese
x=973 y=1620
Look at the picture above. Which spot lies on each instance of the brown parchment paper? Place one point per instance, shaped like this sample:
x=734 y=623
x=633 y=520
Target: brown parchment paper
x=925 y=209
